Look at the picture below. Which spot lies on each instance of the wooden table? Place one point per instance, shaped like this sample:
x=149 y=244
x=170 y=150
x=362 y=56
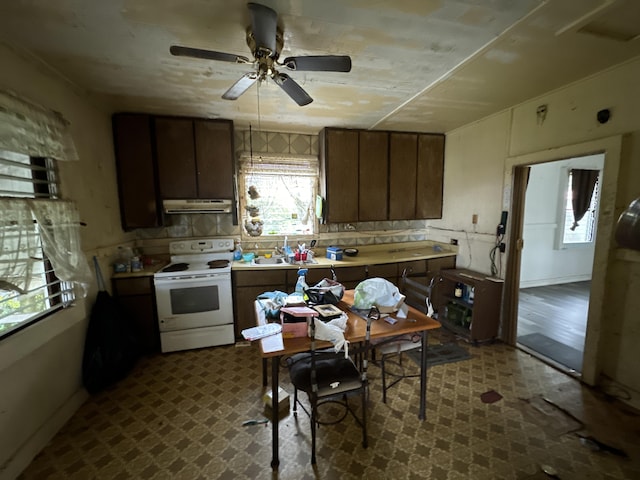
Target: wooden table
x=416 y=322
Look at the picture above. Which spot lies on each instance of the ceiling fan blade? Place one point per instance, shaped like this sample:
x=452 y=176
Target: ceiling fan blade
x=179 y=51
x=319 y=63
x=240 y=86
x=264 y=24
x=292 y=89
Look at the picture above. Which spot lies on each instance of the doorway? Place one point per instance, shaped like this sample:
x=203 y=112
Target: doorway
x=515 y=181
x=557 y=259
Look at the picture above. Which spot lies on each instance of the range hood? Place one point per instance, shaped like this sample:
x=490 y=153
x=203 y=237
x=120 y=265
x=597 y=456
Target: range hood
x=197 y=206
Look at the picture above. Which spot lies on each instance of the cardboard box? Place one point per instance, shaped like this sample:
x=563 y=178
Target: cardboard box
x=283 y=400
x=393 y=308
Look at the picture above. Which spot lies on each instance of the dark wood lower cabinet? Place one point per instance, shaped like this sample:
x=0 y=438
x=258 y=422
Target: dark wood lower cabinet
x=136 y=295
x=247 y=285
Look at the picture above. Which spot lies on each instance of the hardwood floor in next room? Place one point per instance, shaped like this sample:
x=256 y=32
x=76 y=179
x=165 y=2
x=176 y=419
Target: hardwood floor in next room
x=557 y=311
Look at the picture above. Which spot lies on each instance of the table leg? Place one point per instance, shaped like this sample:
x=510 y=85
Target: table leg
x=275 y=364
x=423 y=378
x=264 y=372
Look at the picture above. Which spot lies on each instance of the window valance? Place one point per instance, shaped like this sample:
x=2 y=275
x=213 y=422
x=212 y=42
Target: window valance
x=278 y=164
x=33 y=130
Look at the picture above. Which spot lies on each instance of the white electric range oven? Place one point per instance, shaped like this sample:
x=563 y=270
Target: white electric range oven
x=193 y=295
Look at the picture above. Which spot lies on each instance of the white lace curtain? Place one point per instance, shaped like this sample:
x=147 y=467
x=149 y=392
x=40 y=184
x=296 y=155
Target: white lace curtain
x=29 y=226
x=33 y=130
x=28 y=222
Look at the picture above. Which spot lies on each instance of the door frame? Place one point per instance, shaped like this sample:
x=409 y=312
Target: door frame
x=514 y=188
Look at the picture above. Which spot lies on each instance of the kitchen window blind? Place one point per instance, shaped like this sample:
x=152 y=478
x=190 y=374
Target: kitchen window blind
x=29 y=287
x=277 y=194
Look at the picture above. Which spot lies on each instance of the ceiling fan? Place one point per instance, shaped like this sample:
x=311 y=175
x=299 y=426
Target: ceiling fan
x=265 y=39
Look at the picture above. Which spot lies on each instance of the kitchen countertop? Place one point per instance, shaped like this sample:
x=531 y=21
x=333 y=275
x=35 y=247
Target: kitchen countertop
x=147 y=271
x=367 y=255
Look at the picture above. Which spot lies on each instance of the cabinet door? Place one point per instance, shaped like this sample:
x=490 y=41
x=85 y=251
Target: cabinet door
x=429 y=176
x=339 y=162
x=134 y=165
x=246 y=287
x=434 y=265
x=388 y=271
x=374 y=172
x=135 y=296
x=403 y=151
x=313 y=277
x=351 y=276
x=214 y=158
x=243 y=300
x=176 y=158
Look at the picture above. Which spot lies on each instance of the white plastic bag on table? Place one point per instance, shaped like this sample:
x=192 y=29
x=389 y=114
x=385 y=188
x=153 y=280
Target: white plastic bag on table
x=379 y=292
x=333 y=331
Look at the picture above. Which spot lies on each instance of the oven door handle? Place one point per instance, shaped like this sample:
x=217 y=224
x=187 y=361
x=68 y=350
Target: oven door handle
x=186 y=278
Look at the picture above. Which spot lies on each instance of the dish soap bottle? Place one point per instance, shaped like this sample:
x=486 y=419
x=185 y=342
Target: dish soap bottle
x=301 y=284
x=237 y=253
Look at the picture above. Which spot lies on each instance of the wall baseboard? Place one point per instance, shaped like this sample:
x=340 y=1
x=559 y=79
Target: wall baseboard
x=555 y=281
x=25 y=454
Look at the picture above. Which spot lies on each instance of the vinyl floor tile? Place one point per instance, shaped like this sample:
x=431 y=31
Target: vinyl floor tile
x=180 y=416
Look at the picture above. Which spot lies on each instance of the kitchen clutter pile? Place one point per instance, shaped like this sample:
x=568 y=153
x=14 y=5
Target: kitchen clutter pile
x=294 y=311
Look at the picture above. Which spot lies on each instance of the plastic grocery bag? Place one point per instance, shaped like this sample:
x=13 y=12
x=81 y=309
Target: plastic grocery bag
x=271 y=302
x=333 y=331
x=379 y=292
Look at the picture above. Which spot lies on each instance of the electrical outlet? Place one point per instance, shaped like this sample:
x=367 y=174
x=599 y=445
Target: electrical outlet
x=474 y=218
x=502 y=247
x=454 y=241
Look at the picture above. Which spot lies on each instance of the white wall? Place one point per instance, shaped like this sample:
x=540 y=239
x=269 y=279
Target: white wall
x=40 y=367
x=515 y=137
x=542 y=262
x=473 y=173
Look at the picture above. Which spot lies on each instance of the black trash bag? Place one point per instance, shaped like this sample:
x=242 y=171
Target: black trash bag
x=111 y=348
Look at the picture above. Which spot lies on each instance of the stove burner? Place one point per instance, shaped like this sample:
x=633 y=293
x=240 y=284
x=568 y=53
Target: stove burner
x=176 y=267
x=218 y=263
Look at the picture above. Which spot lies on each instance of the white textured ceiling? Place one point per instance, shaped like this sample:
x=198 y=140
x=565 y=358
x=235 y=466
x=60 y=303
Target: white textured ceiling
x=418 y=65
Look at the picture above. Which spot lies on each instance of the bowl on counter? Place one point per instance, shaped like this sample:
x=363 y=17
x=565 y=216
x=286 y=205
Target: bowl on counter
x=248 y=257
x=350 y=252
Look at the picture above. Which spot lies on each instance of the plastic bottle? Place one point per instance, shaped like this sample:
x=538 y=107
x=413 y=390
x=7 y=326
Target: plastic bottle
x=237 y=253
x=301 y=284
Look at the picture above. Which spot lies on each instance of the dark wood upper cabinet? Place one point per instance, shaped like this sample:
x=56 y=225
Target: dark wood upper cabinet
x=135 y=170
x=398 y=175
x=339 y=165
x=176 y=158
x=403 y=161
x=195 y=158
x=373 y=168
x=430 y=176
x=214 y=158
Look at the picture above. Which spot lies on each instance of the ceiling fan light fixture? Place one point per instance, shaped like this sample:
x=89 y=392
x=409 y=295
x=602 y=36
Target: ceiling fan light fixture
x=266 y=40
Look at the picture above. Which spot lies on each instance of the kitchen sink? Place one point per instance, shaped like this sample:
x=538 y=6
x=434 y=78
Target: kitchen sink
x=268 y=261
x=280 y=261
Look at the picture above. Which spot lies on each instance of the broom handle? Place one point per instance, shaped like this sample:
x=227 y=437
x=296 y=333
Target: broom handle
x=98 y=274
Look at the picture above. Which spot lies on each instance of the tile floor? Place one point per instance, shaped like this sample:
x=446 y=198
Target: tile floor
x=180 y=416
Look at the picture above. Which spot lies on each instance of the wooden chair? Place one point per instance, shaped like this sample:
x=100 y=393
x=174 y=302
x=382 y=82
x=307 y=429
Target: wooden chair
x=417 y=294
x=326 y=376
